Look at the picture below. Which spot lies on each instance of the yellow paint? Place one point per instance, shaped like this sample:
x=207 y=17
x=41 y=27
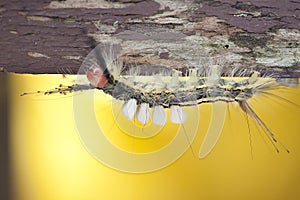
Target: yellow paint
x=49 y=162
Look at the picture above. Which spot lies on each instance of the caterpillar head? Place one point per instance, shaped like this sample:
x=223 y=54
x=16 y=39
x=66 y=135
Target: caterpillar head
x=96 y=76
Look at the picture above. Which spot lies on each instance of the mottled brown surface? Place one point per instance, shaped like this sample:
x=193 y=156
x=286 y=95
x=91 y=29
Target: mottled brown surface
x=38 y=38
x=261 y=16
x=64 y=33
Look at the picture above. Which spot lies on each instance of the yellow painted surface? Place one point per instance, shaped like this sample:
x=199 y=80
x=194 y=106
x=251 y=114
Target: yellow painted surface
x=49 y=161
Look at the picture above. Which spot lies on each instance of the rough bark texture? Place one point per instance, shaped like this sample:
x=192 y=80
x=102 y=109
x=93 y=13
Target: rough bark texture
x=44 y=36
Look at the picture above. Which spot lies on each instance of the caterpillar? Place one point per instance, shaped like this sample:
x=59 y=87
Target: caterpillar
x=146 y=97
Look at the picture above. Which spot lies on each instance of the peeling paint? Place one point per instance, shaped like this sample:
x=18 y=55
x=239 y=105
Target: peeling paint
x=13 y=32
x=72 y=57
x=86 y=4
x=2 y=10
x=37 y=55
x=39 y=18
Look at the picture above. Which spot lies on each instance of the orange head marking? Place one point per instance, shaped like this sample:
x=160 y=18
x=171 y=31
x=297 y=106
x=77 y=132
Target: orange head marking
x=96 y=77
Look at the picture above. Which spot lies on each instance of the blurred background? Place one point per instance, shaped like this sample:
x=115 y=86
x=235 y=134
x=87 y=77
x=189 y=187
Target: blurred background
x=4 y=134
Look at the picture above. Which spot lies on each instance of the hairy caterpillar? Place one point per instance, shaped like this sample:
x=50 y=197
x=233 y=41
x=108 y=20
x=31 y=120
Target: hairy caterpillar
x=146 y=98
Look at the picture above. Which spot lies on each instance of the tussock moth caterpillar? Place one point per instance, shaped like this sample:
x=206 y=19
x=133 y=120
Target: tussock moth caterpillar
x=156 y=98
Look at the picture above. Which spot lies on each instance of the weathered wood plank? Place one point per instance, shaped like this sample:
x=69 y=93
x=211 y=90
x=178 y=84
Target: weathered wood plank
x=37 y=39
x=46 y=36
